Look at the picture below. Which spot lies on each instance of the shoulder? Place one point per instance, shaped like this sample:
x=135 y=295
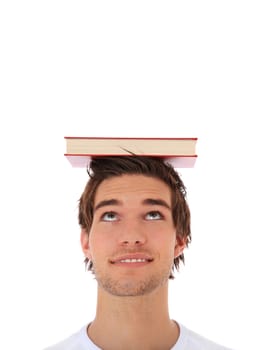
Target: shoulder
x=194 y=341
x=77 y=341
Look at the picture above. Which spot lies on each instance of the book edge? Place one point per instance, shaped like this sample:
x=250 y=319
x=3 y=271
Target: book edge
x=179 y=161
x=130 y=138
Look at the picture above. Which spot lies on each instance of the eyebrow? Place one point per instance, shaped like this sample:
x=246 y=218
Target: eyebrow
x=153 y=201
x=107 y=202
x=147 y=201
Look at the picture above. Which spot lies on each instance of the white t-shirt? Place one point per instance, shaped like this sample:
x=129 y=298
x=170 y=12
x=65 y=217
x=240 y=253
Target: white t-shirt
x=188 y=340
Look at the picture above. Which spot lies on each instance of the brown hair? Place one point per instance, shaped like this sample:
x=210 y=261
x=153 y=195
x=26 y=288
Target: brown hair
x=102 y=168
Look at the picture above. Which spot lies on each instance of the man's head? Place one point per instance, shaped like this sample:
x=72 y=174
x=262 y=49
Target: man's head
x=104 y=168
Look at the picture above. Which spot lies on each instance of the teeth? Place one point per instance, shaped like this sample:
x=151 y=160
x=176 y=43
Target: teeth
x=133 y=260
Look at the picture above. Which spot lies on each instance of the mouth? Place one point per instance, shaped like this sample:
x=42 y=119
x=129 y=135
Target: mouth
x=131 y=260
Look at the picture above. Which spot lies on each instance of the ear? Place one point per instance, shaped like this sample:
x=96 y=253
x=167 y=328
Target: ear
x=84 y=238
x=179 y=246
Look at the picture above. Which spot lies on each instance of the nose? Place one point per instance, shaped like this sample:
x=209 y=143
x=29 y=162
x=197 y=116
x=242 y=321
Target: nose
x=132 y=234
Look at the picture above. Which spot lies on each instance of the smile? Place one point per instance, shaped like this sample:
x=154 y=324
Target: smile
x=132 y=259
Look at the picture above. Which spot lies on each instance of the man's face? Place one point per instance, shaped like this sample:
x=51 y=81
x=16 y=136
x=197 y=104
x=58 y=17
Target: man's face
x=132 y=242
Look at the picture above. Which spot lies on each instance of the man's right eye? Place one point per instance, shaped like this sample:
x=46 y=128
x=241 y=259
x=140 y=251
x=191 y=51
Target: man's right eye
x=109 y=216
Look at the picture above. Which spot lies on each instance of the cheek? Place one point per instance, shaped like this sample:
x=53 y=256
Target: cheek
x=94 y=242
x=165 y=234
x=164 y=241
x=100 y=244
x=170 y=244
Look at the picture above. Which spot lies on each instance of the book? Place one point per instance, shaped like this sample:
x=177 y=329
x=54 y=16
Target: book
x=180 y=152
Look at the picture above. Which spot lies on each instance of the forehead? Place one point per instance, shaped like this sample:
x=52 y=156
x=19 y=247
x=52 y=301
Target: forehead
x=134 y=186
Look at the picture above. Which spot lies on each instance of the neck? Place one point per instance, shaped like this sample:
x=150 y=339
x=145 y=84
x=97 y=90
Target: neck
x=133 y=322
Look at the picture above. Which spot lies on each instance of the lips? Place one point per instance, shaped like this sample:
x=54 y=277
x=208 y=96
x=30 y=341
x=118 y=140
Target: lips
x=132 y=259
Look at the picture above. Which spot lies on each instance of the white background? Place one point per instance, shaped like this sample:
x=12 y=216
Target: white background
x=133 y=68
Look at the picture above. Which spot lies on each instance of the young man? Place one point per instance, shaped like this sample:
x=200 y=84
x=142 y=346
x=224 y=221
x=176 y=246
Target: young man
x=135 y=224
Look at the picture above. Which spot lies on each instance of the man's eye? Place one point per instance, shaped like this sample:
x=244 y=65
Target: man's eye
x=109 y=216
x=154 y=215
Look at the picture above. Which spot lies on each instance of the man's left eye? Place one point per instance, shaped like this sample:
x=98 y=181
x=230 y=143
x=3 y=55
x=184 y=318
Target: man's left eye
x=154 y=215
